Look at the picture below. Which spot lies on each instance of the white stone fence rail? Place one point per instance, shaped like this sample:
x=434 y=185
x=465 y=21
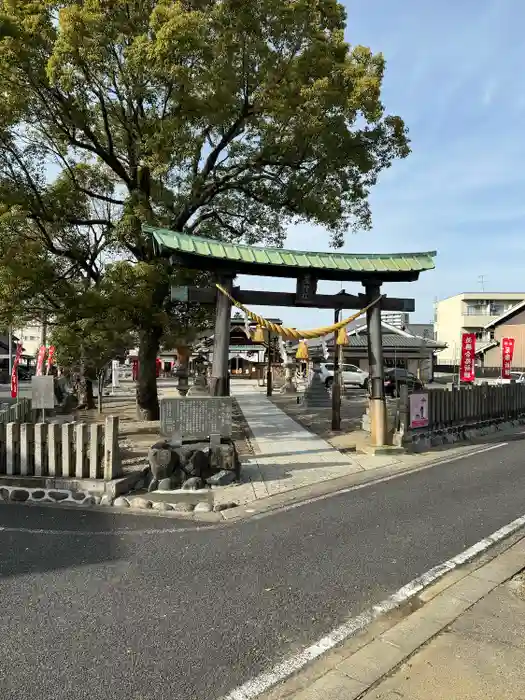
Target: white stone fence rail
x=76 y=450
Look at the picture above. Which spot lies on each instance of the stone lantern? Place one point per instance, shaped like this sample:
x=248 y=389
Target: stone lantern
x=181 y=372
x=289 y=386
x=200 y=384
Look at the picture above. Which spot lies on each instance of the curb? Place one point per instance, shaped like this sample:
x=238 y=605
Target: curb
x=302 y=495
x=359 y=671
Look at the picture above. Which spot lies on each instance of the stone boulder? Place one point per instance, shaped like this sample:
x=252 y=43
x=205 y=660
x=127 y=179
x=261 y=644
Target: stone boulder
x=172 y=466
x=193 y=484
x=164 y=461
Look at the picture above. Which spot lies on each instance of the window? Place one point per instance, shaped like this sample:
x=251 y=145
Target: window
x=350 y=368
x=476 y=308
x=496 y=308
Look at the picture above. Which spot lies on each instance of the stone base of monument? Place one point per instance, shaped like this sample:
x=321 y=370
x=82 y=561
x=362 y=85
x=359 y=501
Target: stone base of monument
x=193 y=465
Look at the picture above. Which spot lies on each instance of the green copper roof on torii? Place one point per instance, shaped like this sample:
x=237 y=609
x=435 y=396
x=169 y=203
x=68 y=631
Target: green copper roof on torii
x=172 y=242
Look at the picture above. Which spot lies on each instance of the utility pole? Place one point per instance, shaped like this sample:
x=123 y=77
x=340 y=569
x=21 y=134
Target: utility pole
x=481 y=280
x=44 y=330
x=10 y=344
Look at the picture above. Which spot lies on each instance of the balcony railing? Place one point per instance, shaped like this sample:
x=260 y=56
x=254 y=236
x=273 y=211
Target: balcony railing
x=483 y=312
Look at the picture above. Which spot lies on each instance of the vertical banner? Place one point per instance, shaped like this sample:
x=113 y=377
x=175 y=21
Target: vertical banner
x=50 y=358
x=14 y=372
x=40 y=360
x=467 y=370
x=507 y=353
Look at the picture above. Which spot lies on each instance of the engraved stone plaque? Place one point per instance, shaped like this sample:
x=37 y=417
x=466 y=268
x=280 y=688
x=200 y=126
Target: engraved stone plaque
x=195 y=417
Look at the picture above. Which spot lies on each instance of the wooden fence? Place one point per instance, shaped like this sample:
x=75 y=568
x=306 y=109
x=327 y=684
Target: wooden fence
x=476 y=404
x=60 y=450
x=457 y=413
x=19 y=412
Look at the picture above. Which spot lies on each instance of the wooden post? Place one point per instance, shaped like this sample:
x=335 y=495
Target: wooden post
x=26 y=439
x=81 y=468
x=336 y=384
x=67 y=449
x=53 y=450
x=269 y=386
x=111 y=449
x=12 y=436
x=95 y=441
x=2 y=448
x=219 y=384
x=41 y=449
x=378 y=426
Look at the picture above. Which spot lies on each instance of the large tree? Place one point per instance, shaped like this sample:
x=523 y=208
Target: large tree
x=228 y=118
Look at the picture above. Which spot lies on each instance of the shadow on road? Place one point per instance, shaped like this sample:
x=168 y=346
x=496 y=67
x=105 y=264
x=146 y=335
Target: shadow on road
x=36 y=540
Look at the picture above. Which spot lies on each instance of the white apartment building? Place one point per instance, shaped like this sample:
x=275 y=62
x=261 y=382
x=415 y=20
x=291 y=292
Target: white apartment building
x=398 y=319
x=469 y=312
x=31 y=338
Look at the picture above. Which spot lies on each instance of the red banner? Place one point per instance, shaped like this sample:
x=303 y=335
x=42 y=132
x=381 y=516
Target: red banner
x=40 y=360
x=50 y=358
x=507 y=353
x=14 y=372
x=467 y=370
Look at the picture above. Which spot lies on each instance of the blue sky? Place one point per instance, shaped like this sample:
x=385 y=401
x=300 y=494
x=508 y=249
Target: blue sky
x=456 y=74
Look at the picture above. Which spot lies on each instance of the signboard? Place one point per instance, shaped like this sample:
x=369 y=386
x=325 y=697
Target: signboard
x=306 y=289
x=467 y=368
x=507 y=353
x=196 y=418
x=42 y=392
x=419 y=410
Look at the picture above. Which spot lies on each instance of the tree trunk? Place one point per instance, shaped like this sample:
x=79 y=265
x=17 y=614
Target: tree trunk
x=147 y=396
x=90 y=398
x=101 y=376
x=82 y=388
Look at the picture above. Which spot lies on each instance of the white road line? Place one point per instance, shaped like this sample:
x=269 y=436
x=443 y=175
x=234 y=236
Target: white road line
x=366 y=484
x=103 y=533
x=281 y=671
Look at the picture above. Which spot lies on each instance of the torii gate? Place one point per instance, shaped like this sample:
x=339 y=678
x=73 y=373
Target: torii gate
x=227 y=260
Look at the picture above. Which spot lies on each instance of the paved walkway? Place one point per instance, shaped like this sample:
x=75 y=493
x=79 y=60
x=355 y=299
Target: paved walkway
x=288 y=455
x=466 y=642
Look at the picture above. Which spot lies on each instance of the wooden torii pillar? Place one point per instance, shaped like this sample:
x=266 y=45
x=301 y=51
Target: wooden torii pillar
x=376 y=377
x=219 y=380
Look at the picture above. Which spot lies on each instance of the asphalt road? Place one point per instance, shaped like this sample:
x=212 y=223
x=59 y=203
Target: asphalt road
x=98 y=606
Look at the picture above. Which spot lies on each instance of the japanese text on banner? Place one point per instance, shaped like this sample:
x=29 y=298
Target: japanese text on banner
x=40 y=360
x=507 y=353
x=14 y=372
x=467 y=370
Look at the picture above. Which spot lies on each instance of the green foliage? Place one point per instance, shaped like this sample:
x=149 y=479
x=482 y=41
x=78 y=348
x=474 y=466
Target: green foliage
x=231 y=118
x=90 y=346
x=228 y=118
